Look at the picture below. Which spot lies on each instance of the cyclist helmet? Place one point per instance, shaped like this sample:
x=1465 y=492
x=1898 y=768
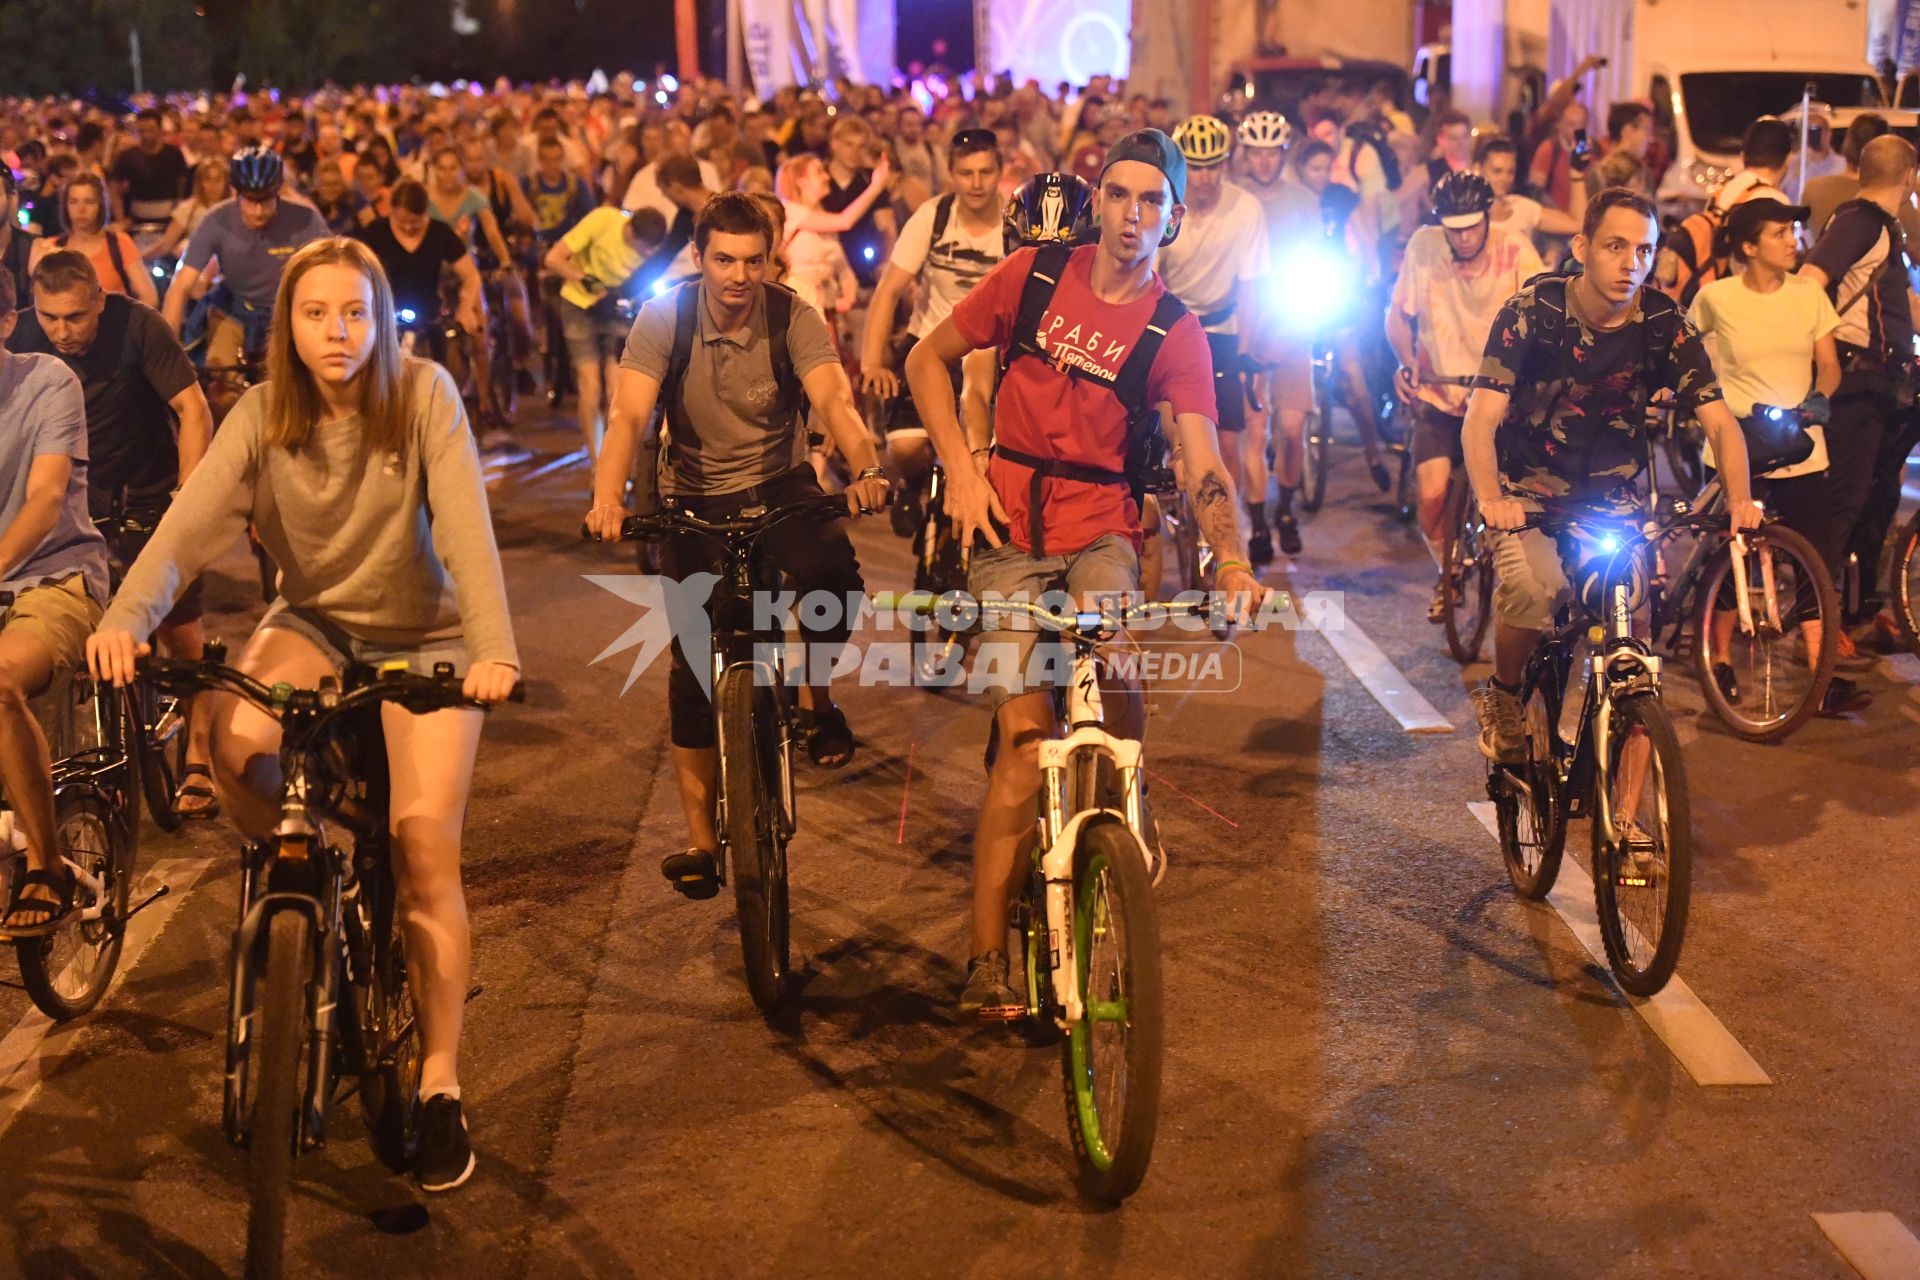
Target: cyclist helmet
x=255 y=171
x=1461 y=200
x=1050 y=208
x=1265 y=129
x=1203 y=140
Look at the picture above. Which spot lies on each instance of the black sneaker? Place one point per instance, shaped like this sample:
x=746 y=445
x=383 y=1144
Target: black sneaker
x=693 y=872
x=987 y=994
x=1723 y=675
x=445 y=1157
x=1260 y=548
x=1844 y=697
x=1289 y=530
x=1437 y=606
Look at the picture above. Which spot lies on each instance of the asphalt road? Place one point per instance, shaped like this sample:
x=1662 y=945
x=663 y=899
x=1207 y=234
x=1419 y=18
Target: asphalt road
x=1379 y=1061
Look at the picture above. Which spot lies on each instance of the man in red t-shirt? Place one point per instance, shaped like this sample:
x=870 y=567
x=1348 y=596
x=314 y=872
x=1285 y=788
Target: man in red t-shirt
x=1087 y=530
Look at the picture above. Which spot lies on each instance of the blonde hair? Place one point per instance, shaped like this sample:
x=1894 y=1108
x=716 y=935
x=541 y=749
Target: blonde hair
x=294 y=402
x=793 y=172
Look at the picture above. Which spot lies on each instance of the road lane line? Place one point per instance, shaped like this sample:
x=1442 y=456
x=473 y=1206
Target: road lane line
x=1382 y=679
x=37 y=1040
x=1901 y=666
x=1877 y=1245
x=1680 y=1018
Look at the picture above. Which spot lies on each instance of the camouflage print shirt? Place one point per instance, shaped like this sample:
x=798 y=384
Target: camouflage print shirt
x=1575 y=431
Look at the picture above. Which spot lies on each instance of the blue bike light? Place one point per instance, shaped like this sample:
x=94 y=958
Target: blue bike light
x=408 y=315
x=1610 y=542
x=659 y=287
x=867 y=253
x=159 y=273
x=1775 y=415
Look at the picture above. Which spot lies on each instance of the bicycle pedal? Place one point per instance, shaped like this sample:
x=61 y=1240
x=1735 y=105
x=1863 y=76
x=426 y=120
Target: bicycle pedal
x=473 y=991
x=1002 y=1012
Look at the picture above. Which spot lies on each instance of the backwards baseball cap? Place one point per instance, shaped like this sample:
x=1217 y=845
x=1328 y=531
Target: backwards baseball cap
x=1152 y=147
x=1745 y=219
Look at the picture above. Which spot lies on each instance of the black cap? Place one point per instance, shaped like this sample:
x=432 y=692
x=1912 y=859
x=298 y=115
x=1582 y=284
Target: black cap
x=1745 y=219
x=1150 y=146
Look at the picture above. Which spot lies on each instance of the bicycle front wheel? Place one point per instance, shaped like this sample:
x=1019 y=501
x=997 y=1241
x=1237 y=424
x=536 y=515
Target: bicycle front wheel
x=274 y=1128
x=1530 y=807
x=1468 y=583
x=1642 y=883
x=163 y=756
x=67 y=971
x=1906 y=582
x=756 y=851
x=1316 y=444
x=1766 y=682
x=1112 y=1054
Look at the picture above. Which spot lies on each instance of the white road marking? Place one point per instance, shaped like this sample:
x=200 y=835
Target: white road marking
x=37 y=1040
x=1683 y=1022
x=1877 y=1245
x=1901 y=666
x=1382 y=679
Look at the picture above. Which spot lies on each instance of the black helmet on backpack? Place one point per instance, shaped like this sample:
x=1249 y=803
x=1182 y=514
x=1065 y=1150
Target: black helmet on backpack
x=1050 y=208
x=1462 y=200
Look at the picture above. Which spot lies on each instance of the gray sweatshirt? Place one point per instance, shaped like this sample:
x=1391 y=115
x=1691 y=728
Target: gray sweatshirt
x=397 y=551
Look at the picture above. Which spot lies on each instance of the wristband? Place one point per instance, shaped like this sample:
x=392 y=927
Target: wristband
x=870 y=473
x=1225 y=565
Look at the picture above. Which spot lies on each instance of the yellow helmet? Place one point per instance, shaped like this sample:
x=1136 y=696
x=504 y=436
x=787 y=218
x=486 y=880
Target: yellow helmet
x=1203 y=140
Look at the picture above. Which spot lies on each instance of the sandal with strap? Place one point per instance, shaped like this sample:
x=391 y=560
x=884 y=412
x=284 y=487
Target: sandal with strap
x=196 y=791
x=59 y=906
x=829 y=739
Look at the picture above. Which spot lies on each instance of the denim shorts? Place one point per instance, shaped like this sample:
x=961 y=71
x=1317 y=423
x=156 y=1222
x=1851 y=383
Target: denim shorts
x=342 y=649
x=1004 y=658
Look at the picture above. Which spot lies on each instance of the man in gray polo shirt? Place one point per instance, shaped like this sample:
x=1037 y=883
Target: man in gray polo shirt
x=737 y=438
x=53 y=563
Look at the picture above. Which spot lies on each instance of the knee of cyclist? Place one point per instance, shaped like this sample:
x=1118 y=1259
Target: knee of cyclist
x=13 y=696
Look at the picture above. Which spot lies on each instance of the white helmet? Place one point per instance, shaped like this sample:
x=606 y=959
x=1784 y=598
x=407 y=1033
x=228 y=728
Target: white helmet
x=1266 y=129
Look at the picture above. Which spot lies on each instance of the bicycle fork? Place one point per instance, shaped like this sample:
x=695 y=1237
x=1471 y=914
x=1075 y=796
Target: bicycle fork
x=1062 y=834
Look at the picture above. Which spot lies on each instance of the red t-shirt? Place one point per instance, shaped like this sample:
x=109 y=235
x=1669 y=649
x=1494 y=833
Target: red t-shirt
x=1043 y=411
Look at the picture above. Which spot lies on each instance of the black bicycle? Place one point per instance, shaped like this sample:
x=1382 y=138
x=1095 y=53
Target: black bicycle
x=97 y=767
x=754 y=726
x=1619 y=763
x=939 y=566
x=320 y=1007
x=162 y=717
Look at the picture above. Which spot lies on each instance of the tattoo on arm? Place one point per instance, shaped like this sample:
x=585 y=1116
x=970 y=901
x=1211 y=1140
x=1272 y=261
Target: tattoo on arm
x=1213 y=507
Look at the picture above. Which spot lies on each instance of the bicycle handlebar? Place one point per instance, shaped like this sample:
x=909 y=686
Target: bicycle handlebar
x=674 y=521
x=364 y=686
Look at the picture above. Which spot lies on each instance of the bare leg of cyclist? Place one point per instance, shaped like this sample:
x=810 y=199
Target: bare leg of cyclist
x=26 y=763
x=1005 y=826
x=246 y=740
x=1153 y=550
x=696 y=770
x=1512 y=646
x=431 y=762
x=1360 y=404
x=586 y=380
x=188 y=640
x=1431 y=479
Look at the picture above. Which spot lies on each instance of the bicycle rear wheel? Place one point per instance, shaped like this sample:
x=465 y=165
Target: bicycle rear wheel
x=1467 y=584
x=1905 y=596
x=274 y=1128
x=1642 y=887
x=1766 y=684
x=1530 y=807
x=1112 y=1054
x=67 y=971
x=756 y=851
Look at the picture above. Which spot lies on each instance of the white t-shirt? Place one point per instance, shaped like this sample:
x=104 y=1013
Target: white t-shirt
x=814 y=260
x=948 y=269
x=1454 y=304
x=1216 y=252
x=644 y=191
x=1523 y=216
x=1762 y=343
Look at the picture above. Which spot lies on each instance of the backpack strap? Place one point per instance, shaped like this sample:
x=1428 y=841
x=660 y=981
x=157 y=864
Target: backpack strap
x=686 y=327
x=1130 y=384
x=1043 y=277
x=779 y=303
x=119 y=261
x=942 y=212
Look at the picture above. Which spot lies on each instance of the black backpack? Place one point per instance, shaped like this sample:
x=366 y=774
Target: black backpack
x=1371 y=133
x=1660 y=319
x=1146 y=469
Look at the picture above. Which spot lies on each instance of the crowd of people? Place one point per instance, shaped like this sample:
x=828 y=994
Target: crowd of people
x=1127 y=271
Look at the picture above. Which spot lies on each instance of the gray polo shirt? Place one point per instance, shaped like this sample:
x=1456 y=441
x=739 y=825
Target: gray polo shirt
x=42 y=412
x=730 y=442
x=251 y=261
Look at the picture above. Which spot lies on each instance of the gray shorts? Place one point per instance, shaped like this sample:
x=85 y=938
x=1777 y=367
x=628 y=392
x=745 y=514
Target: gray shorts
x=1005 y=664
x=592 y=336
x=342 y=649
x=1528 y=577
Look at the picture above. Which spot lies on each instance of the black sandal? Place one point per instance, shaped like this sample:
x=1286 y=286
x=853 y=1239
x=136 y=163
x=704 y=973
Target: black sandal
x=196 y=791
x=60 y=906
x=829 y=740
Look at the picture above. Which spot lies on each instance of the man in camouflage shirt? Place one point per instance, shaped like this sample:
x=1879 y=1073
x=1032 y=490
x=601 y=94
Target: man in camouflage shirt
x=1557 y=426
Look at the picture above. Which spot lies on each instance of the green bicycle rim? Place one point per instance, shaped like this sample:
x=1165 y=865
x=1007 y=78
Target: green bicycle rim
x=1099 y=1152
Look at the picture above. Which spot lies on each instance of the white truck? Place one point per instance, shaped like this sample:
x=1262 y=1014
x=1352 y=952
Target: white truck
x=1711 y=67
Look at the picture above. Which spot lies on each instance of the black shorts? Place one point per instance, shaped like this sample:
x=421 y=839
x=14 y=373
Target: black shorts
x=1229 y=381
x=1436 y=434
x=903 y=419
